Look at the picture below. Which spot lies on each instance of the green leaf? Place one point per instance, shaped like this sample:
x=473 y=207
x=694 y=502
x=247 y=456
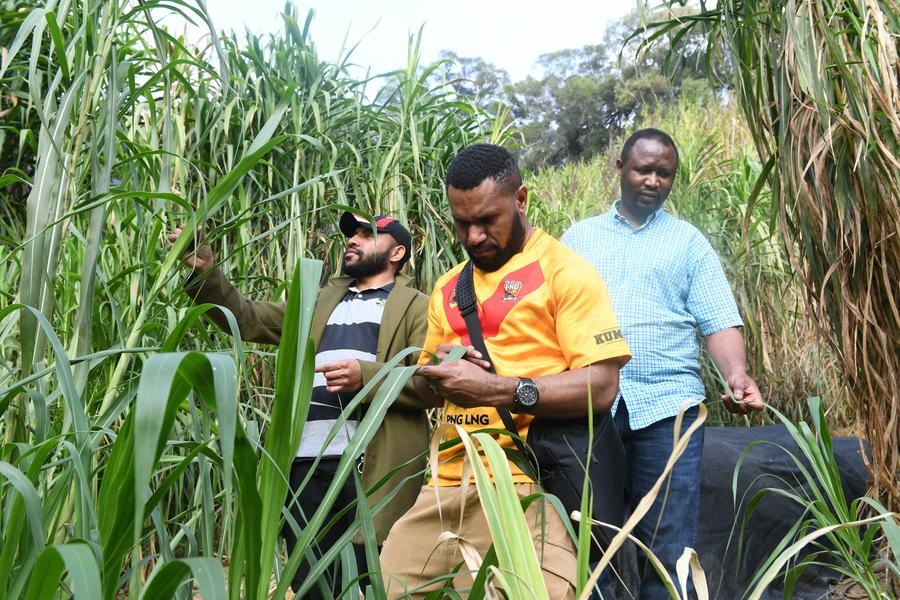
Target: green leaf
x=25 y=30
x=207 y=573
x=78 y=560
x=217 y=196
x=395 y=379
x=506 y=520
x=31 y=499
x=293 y=391
x=58 y=44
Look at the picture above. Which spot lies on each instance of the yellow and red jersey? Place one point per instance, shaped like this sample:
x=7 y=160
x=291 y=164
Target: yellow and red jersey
x=544 y=312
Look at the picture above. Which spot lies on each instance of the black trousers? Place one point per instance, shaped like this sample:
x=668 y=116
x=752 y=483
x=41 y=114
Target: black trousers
x=303 y=509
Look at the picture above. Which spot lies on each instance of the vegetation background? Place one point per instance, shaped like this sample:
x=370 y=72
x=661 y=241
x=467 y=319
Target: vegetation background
x=114 y=131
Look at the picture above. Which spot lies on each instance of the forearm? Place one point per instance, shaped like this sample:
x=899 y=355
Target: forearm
x=726 y=348
x=573 y=393
x=257 y=321
x=212 y=287
x=563 y=395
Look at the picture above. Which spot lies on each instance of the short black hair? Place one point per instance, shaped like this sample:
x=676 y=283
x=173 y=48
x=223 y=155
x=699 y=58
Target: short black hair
x=483 y=161
x=648 y=134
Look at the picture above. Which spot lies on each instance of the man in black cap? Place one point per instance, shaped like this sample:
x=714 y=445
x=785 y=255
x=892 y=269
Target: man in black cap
x=361 y=320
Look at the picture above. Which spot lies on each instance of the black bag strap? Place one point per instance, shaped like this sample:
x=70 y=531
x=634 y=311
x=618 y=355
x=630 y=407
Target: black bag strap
x=468 y=307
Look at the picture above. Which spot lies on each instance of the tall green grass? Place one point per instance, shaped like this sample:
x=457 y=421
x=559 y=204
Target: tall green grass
x=124 y=465
x=144 y=453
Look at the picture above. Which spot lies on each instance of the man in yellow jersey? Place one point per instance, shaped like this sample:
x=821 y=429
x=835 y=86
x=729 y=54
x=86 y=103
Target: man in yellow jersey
x=551 y=334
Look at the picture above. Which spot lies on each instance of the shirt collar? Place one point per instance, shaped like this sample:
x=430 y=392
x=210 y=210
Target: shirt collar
x=386 y=287
x=614 y=211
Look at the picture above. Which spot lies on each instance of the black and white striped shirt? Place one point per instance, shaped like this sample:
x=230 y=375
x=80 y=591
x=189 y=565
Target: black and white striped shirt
x=351 y=332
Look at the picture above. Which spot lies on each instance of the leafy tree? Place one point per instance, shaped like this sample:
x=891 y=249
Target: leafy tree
x=588 y=96
x=563 y=114
x=472 y=78
x=585 y=97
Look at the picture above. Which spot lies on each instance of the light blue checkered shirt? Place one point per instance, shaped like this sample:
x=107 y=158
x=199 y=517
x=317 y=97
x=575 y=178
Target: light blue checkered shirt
x=665 y=282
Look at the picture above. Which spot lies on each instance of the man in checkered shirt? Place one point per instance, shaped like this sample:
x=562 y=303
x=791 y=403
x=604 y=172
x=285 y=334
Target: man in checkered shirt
x=666 y=284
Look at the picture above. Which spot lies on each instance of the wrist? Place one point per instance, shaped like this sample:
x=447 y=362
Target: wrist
x=504 y=393
x=735 y=371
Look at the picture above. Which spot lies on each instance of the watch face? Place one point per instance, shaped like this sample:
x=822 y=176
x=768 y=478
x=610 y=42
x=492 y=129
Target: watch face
x=526 y=394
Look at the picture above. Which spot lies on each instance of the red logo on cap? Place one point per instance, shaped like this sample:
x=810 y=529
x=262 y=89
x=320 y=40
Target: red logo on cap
x=384 y=221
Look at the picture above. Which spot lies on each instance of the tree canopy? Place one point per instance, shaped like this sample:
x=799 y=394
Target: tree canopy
x=585 y=97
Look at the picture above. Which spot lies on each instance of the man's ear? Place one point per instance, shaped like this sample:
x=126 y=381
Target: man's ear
x=397 y=253
x=522 y=199
x=619 y=165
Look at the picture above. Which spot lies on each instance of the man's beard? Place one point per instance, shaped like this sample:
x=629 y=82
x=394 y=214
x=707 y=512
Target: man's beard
x=513 y=246
x=368 y=265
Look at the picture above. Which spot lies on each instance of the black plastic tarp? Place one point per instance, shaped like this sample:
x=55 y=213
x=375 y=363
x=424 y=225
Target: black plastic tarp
x=730 y=557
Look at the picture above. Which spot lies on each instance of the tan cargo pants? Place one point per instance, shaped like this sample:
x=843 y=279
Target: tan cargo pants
x=414 y=563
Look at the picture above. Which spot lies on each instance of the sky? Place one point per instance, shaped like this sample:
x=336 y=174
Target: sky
x=507 y=33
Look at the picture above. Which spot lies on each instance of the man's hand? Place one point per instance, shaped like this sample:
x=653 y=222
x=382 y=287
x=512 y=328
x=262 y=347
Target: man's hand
x=472 y=355
x=432 y=394
x=465 y=383
x=200 y=259
x=342 y=376
x=726 y=347
x=746 y=395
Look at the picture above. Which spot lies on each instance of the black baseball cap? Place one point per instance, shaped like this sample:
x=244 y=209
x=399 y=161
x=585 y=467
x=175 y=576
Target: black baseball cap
x=350 y=222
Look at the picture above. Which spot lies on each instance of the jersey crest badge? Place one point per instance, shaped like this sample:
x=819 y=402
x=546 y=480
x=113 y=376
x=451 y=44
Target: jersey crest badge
x=511 y=289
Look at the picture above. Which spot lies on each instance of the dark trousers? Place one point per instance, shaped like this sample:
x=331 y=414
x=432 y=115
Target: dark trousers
x=671 y=523
x=302 y=510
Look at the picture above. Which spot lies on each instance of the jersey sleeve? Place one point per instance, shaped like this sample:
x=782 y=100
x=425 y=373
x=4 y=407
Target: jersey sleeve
x=585 y=324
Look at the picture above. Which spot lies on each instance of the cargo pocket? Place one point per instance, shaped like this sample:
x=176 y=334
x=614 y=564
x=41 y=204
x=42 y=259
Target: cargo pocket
x=558 y=565
x=553 y=546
